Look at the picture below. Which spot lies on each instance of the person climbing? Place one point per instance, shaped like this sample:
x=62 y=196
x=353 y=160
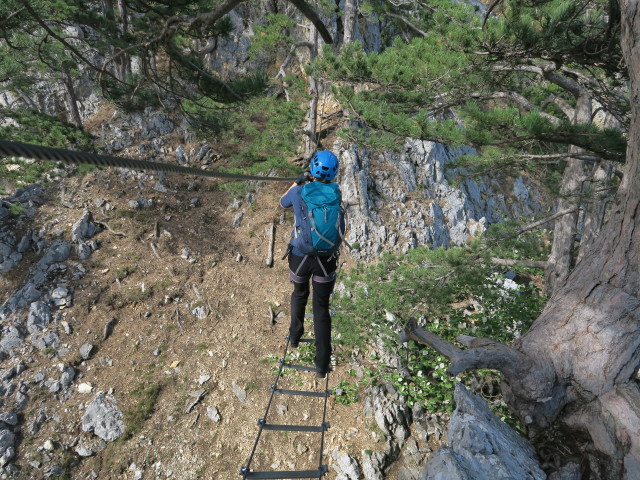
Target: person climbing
x=313 y=251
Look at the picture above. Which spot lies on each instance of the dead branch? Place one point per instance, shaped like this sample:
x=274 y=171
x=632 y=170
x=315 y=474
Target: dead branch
x=407 y=23
x=548 y=219
x=272 y=315
x=271 y=230
x=482 y=352
x=285 y=64
x=177 y=314
x=561 y=103
x=106 y=225
x=155 y=252
x=508 y=262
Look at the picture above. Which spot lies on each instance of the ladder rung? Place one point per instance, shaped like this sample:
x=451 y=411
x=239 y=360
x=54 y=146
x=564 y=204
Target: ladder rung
x=293 y=428
x=302 y=393
x=299 y=367
x=318 y=473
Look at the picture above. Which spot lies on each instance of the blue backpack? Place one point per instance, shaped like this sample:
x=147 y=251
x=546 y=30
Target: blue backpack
x=322 y=226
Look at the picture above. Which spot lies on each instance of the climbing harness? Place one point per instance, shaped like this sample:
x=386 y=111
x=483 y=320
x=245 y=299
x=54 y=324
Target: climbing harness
x=264 y=425
x=328 y=277
x=37 y=152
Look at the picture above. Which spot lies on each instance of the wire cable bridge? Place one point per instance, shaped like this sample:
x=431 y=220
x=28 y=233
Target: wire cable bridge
x=38 y=152
x=246 y=471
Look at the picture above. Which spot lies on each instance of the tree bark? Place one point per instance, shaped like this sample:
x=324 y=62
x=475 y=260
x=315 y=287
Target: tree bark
x=590 y=329
x=575 y=175
x=311 y=139
x=349 y=21
x=72 y=101
x=600 y=197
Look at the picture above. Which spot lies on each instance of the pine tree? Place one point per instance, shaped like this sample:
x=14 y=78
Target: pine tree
x=522 y=86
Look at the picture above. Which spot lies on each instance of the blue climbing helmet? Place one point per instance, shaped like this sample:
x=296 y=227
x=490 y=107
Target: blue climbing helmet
x=324 y=164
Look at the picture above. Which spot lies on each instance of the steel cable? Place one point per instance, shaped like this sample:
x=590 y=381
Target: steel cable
x=38 y=152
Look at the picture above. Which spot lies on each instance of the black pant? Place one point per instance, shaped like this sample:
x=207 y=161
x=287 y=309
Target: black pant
x=321 y=272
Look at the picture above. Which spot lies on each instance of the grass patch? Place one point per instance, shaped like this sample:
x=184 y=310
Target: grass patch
x=17 y=209
x=145 y=398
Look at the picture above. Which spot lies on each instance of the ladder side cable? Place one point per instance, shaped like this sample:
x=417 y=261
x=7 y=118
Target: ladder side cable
x=262 y=423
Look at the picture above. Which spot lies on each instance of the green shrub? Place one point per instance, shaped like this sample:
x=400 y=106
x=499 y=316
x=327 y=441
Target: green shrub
x=450 y=292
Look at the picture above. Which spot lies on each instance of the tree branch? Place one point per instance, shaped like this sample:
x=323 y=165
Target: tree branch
x=548 y=219
x=185 y=61
x=43 y=24
x=407 y=23
x=548 y=71
x=561 y=103
x=285 y=64
x=559 y=156
x=516 y=97
x=482 y=352
x=509 y=262
x=311 y=14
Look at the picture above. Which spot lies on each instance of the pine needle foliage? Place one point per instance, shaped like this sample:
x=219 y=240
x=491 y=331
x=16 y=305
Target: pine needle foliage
x=461 y=77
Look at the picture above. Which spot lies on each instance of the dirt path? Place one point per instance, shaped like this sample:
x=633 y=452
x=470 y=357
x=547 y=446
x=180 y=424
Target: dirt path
x=161 y=354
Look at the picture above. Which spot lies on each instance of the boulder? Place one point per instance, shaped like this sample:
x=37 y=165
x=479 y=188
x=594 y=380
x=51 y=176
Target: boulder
x=7 y=451
x=39 y=317
x=103 y=418
x=481 y=446
x=84 y=228
x=58 y=252
x=346 y=466
x=85 y=351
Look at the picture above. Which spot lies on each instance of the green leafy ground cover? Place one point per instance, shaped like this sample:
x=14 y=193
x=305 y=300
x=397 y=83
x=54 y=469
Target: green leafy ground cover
x=450 y=293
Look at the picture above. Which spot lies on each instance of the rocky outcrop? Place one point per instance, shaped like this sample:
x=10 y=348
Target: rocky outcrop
x=398 y=201
x=405 y=433
x=481 y=446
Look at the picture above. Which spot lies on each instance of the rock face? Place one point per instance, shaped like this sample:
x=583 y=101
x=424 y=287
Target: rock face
x=481 y=446
x=398 y=201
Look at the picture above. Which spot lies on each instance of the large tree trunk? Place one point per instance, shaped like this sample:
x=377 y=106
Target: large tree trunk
x=311 y=138
x=349 y=21
x=578 y=363
x=564 y=233
x=72 y=101
x=599 y=199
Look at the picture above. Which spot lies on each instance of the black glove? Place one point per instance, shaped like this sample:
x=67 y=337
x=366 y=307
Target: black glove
x=302 y=179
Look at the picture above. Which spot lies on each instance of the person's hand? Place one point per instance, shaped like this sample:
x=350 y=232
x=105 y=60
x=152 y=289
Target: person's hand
x=302 y=179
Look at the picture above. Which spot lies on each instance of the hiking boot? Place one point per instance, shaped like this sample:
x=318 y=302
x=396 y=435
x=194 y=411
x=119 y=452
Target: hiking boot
x=321 y=373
